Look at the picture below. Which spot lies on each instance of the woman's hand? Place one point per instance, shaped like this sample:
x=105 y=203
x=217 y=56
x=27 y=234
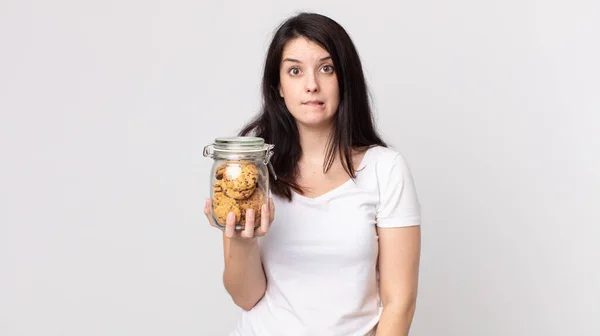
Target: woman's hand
x=266 y=218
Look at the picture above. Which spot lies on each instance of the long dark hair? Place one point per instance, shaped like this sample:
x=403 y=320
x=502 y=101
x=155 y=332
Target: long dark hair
x=353 y=126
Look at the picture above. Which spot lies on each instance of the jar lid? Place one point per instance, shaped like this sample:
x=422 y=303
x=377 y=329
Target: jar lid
x=239 y=146
x=239 y=143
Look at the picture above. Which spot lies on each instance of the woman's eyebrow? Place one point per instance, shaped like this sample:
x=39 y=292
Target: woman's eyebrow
x=293 y=60
x=287 y=59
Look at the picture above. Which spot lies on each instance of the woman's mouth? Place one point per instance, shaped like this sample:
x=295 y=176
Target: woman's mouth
x=314 y=103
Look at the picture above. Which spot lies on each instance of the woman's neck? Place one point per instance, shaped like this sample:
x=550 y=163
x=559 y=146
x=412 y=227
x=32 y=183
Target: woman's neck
x=313 y=142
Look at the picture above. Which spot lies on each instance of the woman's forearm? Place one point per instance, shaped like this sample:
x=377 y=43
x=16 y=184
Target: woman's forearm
x=395 y=320
x=243 y=277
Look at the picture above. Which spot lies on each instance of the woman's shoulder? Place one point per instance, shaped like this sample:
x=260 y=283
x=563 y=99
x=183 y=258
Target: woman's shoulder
x=384 y=154
x=383 y=161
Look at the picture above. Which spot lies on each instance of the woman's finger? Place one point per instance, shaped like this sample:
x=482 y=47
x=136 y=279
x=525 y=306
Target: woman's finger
x=207 y=212
x=249 y=225
x=264 y=221
x=230 y=225
x=271 y=210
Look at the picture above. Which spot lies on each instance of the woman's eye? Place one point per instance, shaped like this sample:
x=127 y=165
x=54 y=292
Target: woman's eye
x=294 y=71
x=327 y=69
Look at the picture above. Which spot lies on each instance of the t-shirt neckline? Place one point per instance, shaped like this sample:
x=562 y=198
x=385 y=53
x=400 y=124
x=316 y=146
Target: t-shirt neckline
x=336 y=190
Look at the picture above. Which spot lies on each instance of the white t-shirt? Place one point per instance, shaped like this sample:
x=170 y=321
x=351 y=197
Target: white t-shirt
x=320 y=254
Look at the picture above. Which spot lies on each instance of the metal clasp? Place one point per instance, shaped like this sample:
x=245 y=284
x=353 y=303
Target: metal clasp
x=208 y=151
x=268 y=161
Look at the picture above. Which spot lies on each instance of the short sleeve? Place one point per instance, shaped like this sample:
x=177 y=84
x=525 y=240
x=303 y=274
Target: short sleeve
x=398 y=201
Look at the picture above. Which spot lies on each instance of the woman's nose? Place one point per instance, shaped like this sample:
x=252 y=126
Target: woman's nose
x=312 y=84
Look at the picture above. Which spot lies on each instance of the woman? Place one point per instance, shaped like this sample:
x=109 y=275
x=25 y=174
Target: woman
x=342 y=255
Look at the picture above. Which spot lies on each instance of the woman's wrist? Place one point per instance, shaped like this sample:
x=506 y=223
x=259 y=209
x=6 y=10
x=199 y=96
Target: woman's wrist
x=242 y=242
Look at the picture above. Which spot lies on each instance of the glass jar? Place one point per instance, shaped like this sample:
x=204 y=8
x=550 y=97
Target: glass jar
x=239 y=178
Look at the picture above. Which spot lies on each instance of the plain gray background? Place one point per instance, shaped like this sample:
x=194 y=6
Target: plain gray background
x=106 y=106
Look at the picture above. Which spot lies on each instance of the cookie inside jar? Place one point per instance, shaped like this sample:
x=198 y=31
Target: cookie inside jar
x=239 y=185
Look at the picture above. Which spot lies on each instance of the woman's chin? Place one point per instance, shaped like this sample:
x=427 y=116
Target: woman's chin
x=315 y=119
x=315 y=123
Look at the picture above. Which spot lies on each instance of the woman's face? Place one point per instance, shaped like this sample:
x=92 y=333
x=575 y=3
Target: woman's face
x=308 y=83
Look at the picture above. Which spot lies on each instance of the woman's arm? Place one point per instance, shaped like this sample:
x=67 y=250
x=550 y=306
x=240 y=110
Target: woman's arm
x=399 y=254
x=244 y=277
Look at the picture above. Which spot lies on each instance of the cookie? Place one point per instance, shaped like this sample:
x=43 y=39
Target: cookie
x=217 y=197
x=217 y=187
x=240 y=177
x=220 y=171
x=239 y=194
x=225 y=206
x=255 y=201
x=236 y=190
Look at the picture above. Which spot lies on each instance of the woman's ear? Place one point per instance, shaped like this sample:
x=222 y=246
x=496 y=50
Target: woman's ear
x=280 y=91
